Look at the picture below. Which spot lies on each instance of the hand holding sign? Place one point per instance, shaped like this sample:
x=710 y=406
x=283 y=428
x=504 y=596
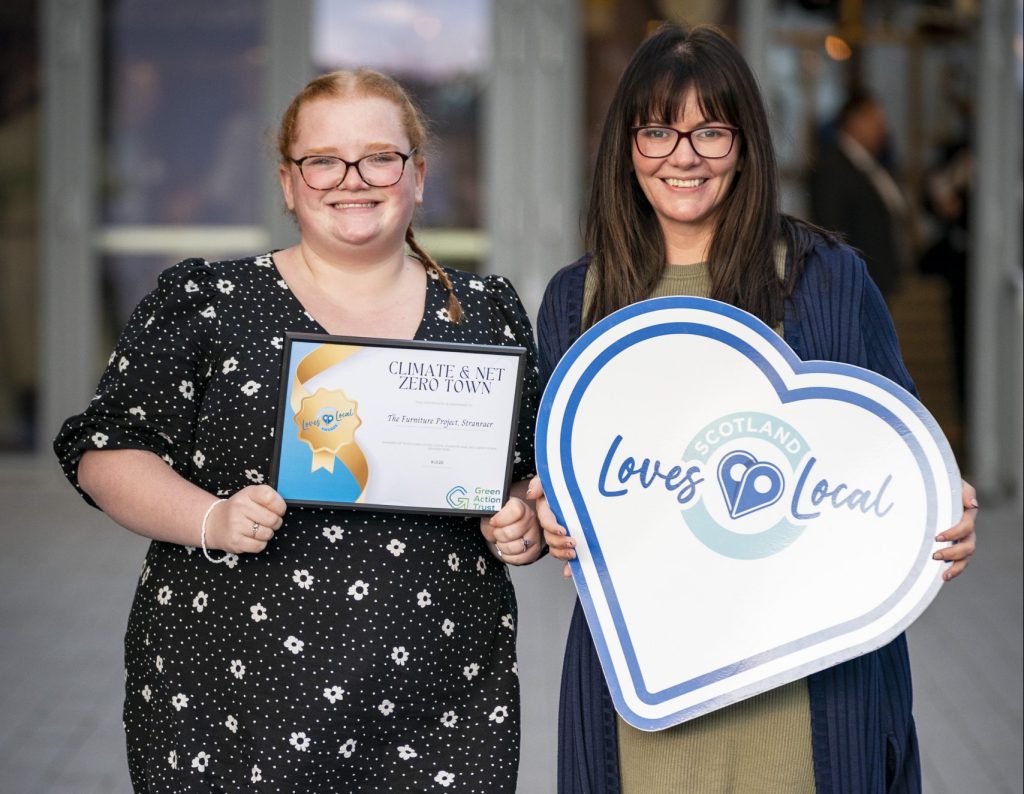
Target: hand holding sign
x=688 y=426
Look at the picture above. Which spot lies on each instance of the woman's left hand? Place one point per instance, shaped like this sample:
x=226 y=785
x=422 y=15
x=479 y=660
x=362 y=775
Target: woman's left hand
x=962 y=535
x=513 y=532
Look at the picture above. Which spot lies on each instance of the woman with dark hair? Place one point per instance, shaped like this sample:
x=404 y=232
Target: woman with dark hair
x=296 y=648
x=685 y=201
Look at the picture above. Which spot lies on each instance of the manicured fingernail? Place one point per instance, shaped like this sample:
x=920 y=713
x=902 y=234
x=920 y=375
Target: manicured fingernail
x=936 y=556
x=940 y=538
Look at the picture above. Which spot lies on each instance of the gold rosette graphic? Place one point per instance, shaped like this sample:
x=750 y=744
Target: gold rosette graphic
x=327 y=420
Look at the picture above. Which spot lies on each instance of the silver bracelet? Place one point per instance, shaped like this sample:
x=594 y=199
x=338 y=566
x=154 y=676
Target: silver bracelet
x=202 y=534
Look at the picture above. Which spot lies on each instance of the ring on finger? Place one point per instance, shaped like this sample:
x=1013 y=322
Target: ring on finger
x=255 y=528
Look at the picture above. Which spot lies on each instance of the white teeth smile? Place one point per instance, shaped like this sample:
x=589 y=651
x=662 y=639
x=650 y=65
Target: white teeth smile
x=365 y=204
x=695 y=182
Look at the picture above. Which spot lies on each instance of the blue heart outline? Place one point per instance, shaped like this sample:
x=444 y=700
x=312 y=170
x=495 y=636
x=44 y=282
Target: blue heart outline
x=785 y=395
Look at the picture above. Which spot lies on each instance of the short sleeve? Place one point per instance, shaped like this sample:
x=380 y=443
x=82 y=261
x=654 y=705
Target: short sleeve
x=149 y=394
x=516 y=330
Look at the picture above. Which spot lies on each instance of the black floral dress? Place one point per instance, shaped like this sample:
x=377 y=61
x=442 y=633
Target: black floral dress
x=360 y=651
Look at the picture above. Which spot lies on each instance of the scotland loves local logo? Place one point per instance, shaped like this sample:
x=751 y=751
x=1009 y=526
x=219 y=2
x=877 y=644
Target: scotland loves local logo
x=742 y=518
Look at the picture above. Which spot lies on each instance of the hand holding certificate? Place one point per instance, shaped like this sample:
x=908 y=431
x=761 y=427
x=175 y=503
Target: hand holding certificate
x=397 y=425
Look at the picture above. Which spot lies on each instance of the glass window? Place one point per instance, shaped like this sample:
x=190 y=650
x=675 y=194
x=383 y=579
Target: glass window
x=20 y=143
x=182 y=133
x=440 y=52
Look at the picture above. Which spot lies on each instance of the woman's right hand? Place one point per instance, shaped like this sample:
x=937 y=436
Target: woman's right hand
x=245 y=522
x=555 y=535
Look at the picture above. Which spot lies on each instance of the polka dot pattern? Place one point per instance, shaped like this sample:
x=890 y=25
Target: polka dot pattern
x=361 y=651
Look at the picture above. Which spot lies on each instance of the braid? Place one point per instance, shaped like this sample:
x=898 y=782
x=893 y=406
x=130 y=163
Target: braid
x=454 y=307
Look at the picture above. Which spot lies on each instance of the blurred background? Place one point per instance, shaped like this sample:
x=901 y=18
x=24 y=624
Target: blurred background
x=134 y=133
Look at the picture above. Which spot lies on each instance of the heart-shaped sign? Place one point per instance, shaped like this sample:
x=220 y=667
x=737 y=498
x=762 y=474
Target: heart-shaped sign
x=742 y=518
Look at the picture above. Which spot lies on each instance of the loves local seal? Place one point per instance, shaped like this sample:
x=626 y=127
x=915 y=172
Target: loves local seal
x=742 y=518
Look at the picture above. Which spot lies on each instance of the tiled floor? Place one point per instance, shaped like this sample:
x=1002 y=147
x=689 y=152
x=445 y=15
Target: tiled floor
x=67 y=575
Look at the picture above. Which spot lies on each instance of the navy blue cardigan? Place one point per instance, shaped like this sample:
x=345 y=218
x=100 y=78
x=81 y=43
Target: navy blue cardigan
x=863 y=735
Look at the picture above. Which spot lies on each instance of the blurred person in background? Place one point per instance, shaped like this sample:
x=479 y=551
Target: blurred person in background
x=853 y=193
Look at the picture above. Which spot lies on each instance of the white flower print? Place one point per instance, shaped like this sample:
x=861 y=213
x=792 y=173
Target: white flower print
x=122 y=364
x=334 y=533
x=443 y=314
x=518 y=458
x=100 y=439
x=237 y=668
x=334 y=693
x=264 y=260
x=470 y=670
x=359 y=590
x=282 y=283
x=225 y=286
x=476 y=284
x=201 y=761
x=159 y=664
x=187 y=389
x=515 y=668
x=229 y=365
x=110 y=360
x=200 y=601
x=396 y=547
x=137 y=410
x=253 y=476
x=481 y=566
x=230 y=559
x=277 y=342
x=499 y=715
x=149 y=321
x=191 y=286
x=386 y=707
x=164 y=595
x=444 y=778
x=447 y=627
x=347 y=748
x=423 y=598
x=303 y=579
x=257 y=774
x=299 y=741
x=172 y=759
x=199 y=458
x=209 y=312
x=259 y=612
x=168 y=460
x=405 y=752
x=453 y=561
x=507 y=622
x=508 y=332
x=400 y=655
x=449 y=718
x=147 y=693
x=294 y=644
x=250 y=388
x=146 y=571
x=433 y=274
x=179 y=701
x=231 y=723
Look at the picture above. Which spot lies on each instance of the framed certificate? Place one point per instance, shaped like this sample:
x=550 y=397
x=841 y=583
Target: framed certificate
x=398 y=425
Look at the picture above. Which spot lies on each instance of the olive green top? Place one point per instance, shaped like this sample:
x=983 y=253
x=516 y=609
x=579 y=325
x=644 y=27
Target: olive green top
x=761 y=744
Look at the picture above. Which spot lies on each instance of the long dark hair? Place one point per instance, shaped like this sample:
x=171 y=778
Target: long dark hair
x=623 y=235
